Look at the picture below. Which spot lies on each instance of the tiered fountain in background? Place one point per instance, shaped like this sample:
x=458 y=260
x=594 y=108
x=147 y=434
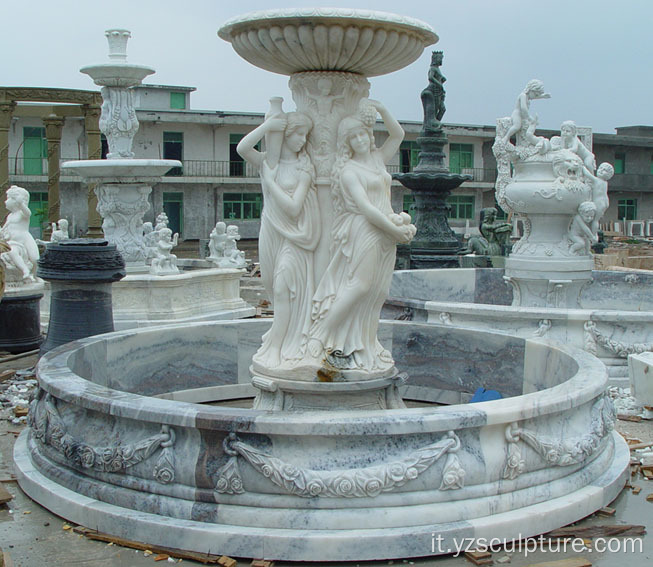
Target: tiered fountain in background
x=323 y=469
x=436 y=244
x=124 y=184
x=555 y=187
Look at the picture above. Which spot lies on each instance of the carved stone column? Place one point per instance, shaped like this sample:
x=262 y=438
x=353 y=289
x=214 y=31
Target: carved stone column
x=6 y=112
x=122 y=206
x=94 y=143
x=53 y=128
x=327 y=97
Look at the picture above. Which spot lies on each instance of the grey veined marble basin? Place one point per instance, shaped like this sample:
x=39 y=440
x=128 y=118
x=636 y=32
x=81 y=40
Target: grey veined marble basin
x=614 y=316
x=131 y=434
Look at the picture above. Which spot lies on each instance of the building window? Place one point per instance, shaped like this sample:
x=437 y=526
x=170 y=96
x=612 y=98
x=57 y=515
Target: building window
x=619 y=163
x=35 y=150
x=178 y=101
x=173 y=206
x=104 y=144
x=461 y=156
x=408 y=156
x=409 y=205
x=38 y=205
x=627 y=209
x=462 y=206
x=236 y=163
x=242 y=206
x=173 y=148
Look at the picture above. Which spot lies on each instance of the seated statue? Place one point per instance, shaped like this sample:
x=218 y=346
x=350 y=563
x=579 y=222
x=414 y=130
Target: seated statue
x=164 y=261
x=232 y=258
x=217 y=241
x=59 y=231
x=495 y=236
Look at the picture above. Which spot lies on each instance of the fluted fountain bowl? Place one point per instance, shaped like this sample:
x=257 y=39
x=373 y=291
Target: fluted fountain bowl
x=293 y=40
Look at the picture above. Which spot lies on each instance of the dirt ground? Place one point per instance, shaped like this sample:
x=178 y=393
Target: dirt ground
x=31 y=536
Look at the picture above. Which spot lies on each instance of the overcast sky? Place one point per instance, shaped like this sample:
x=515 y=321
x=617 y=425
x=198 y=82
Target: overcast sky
x=594 y=56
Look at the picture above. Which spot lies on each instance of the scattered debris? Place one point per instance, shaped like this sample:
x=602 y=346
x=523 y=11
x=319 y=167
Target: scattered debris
x=637 y=489
x=262 y=563
x=606 y=511
x=479 y=557
x=162 y=557
x=597 y=531
x=503 y=560
x=225 y=561
x=649 y=498
x=624 y=403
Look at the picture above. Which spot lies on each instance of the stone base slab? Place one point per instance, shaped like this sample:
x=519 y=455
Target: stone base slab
x=144 y=300
x=378 y=394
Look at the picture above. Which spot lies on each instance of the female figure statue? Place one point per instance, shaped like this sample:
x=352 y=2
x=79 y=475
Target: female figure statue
x=433 y=95
x=290 y=231
x=349 y=297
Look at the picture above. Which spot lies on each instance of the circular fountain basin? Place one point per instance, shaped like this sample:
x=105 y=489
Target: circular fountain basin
x=293 y=40
x=614 y=317
x=120 y=170
x=137 y=434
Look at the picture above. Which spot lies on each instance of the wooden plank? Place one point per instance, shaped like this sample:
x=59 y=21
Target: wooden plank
x=4 y=495
x=626 y=417
x=479 y=557
x=572 y=562
x=606 y=511
x=598 y=531
x=205 y=558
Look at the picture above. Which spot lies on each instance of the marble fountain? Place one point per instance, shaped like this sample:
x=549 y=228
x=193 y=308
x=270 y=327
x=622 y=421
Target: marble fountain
x=549 y=287
x=346 y=451
x=123 y=185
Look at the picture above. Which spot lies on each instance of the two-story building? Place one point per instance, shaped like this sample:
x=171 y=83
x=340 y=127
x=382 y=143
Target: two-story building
x=215 y=184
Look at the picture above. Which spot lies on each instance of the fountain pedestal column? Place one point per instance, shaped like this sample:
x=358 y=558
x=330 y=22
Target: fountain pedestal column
x=435 y=245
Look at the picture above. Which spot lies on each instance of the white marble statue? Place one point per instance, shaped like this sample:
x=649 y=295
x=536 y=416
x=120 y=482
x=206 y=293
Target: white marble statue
x=290 y=231
x=569 y=140
x=599 y=183
x=164 y=261
x=161 y=221
x=348 y=299
x=521 y=119
x=59 y=231
x=217 y=240
x=552 y=187
x=22 y=257
x=580 y=233
x=150 y=239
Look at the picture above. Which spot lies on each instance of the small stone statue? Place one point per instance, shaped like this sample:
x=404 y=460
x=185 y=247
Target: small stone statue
x=599 y=185
x=23 y=253
x=161 y=221
x=569 y=140
x=164 y=261
x=433 y=95
x=61 y=232
x=521 y=117
x=233 y=258
x=495 y=236
x=217 y=240
x=150 y=238
x=580 y=233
